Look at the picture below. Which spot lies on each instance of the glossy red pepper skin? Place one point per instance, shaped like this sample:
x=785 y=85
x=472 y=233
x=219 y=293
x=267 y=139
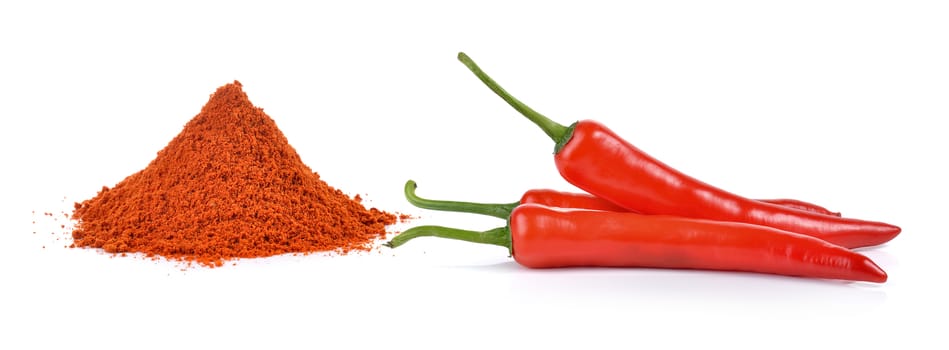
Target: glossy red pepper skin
x=545 y=237
x=560 y=199
x=597 y=160
x=801 y=205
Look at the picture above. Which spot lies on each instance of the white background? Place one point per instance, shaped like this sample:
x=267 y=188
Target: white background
x=842 y=103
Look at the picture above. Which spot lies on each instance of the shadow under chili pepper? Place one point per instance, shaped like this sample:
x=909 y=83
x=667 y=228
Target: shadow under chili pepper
x=678 y=285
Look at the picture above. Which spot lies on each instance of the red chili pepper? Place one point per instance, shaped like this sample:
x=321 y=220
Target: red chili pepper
x=544 y=237
x=554 y=198
x=596 y=160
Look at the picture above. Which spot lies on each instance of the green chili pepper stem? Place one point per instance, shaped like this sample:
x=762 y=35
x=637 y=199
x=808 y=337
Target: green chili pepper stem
x=557 y=132
x=501 y=211
x=500 y=236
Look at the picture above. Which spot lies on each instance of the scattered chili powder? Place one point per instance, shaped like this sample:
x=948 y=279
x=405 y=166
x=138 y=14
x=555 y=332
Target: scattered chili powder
x=228 y=186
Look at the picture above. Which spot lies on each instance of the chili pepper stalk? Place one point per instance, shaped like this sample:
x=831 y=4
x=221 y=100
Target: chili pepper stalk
x=498 y=210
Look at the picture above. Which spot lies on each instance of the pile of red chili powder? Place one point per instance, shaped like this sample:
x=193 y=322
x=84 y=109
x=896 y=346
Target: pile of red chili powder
x=228 y=186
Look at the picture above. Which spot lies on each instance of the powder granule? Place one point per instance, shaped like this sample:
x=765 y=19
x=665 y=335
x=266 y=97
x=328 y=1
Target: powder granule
x=228 y=186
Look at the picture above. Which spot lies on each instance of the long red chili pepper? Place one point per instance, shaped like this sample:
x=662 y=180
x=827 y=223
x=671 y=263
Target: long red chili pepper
x=553 y=198
x=543 y=237
x=596 y=160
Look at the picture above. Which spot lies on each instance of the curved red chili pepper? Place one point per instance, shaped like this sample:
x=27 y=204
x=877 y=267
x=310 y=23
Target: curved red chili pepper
x=544 y=237
x=636 y=181
x=592 y=157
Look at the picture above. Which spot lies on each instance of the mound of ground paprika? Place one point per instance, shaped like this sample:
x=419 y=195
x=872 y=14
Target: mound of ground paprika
x=228 y=186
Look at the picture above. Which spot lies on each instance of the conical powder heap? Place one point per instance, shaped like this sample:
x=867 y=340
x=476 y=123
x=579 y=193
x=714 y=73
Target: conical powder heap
x=228 y=186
